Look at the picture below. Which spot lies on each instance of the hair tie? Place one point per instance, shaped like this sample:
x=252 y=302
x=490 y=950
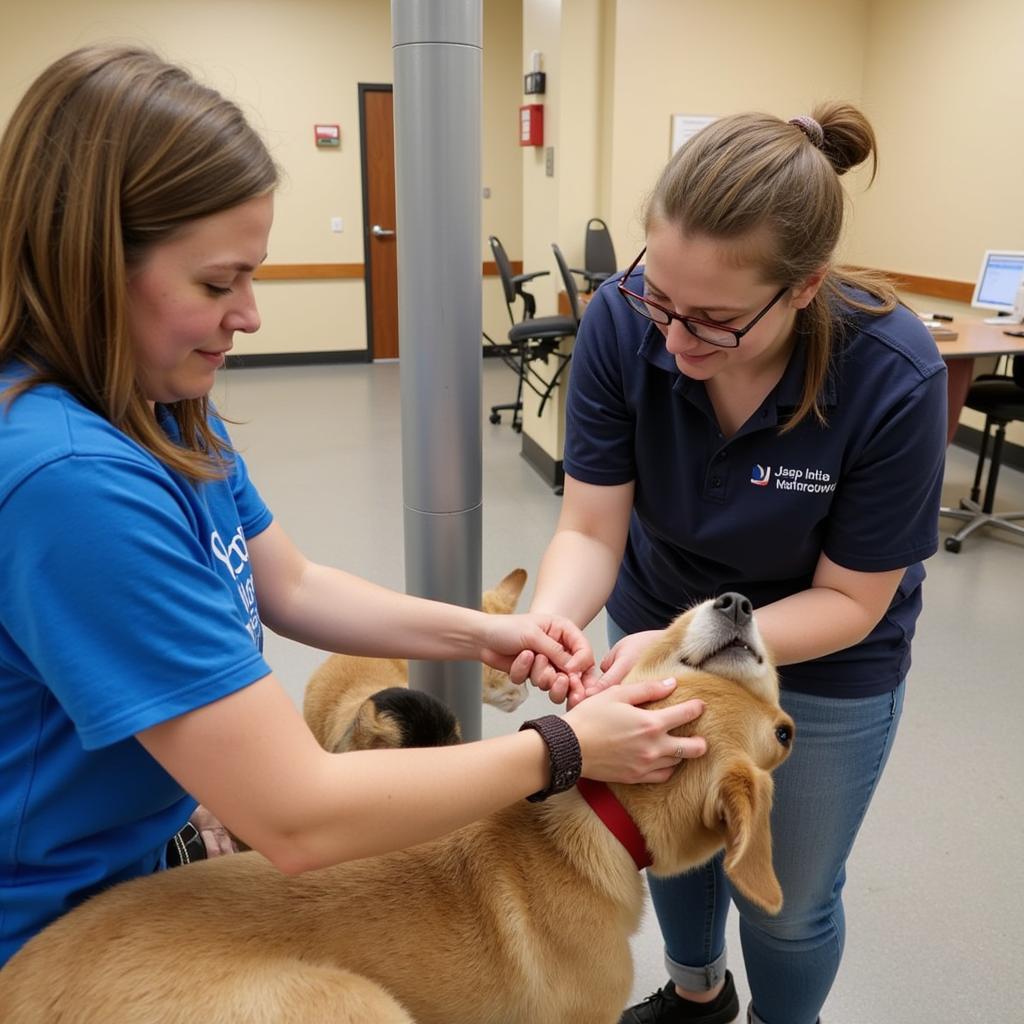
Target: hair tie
x=811 y=129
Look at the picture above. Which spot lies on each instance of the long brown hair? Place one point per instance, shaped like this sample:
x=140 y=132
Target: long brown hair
x=753 y=173
x=111 y=151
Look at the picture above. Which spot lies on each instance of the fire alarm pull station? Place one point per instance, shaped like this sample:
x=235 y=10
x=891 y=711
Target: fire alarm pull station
x=327 y=134
x=531 y=124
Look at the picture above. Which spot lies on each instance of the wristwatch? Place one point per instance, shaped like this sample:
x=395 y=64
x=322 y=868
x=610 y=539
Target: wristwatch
x=563 y=750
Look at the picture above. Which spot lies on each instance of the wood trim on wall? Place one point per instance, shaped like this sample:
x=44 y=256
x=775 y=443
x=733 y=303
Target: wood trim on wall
x=936 y=287
x=307 y=271
x=336 y=271
x=491 y=268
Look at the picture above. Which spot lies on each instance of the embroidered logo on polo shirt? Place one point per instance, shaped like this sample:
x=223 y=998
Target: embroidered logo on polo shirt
x=789 y=478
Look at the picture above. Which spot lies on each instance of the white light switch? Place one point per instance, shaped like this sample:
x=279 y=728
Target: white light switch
x=337 y=224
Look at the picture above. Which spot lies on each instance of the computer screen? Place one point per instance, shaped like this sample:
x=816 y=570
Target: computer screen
x=998 y=280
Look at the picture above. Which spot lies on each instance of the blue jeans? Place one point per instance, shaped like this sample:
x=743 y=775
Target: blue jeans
x=822 y=793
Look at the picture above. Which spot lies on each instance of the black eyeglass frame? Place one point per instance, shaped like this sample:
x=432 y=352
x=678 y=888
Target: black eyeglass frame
x=686 y=321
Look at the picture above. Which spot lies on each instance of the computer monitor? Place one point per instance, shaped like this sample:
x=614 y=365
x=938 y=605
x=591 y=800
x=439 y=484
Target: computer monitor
x=999 y=285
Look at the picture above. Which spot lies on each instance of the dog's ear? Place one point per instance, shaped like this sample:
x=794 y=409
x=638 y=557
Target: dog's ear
x=501 y=600
x=743 y=805
x=369 y=730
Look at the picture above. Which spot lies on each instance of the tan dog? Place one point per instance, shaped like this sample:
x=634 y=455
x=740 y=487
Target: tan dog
x=344 y=681
x=521 y=918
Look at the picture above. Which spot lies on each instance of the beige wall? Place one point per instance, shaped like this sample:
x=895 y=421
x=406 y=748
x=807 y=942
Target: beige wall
x=502 y=213
x=714 y=58
x=542 y=30
x=944 y=88
x=290 y=64
x=571 y=34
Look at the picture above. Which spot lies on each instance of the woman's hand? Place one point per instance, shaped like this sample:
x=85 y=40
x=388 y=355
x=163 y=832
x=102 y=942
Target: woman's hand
x=624 y=743
x=216 y=838
x=619 y=660
x=549 y=650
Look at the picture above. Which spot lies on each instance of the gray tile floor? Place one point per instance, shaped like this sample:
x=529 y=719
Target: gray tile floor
x=935 y=895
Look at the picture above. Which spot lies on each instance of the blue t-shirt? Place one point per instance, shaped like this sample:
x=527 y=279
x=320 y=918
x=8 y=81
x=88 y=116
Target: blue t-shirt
x=753 y=513
x=126 y=599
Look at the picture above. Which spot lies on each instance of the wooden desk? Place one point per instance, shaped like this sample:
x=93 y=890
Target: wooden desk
x=974 y=339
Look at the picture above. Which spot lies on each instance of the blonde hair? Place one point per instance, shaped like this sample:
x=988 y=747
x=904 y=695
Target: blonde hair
x=756 y=177
x=111 y=151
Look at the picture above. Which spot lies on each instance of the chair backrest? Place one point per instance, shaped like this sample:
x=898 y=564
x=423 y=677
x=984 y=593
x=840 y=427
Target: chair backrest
x=504 y=272
x=1018 y=370
x=598 y=251
x=569 y=281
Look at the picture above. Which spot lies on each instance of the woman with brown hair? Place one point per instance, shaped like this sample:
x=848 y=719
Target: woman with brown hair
x=745 y=415
x=140 y=564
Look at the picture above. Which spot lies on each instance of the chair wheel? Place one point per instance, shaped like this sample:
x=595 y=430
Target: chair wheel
x=517 y=427
x=495 y=417
x=952 y=544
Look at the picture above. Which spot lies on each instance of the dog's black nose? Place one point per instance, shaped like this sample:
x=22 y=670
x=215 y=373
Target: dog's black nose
x=735 y=607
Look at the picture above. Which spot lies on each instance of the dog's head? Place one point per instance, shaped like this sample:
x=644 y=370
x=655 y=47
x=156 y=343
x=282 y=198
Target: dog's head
x=498 y=690
x=718 y=636
x=400 y=717
x=724 y=798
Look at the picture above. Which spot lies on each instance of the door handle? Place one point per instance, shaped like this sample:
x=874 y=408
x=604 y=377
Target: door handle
x=378 y=232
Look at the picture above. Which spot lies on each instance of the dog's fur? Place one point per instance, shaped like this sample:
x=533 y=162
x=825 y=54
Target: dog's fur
x=343 y=682
x=521 y=918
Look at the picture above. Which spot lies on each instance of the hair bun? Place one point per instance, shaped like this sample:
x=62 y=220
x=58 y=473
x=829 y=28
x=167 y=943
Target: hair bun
x=848 y=139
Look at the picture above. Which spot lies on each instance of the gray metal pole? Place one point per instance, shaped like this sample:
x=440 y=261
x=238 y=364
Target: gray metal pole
x=438 y=58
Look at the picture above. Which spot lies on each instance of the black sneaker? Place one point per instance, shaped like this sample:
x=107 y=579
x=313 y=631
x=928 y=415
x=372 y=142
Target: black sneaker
x=666 y=1007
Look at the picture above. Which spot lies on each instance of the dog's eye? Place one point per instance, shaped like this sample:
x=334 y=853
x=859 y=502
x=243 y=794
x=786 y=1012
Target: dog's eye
x=783 y=734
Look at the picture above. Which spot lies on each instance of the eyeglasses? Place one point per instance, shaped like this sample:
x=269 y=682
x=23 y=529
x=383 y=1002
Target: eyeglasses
x=710 y=331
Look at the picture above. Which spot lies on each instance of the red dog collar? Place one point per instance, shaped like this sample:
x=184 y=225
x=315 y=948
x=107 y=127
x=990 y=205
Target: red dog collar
x=606 y=806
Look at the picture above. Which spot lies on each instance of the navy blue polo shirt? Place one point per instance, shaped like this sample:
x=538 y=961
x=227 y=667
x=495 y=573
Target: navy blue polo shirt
x=753 y=513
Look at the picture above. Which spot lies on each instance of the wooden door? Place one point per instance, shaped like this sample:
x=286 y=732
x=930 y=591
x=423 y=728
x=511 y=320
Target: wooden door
x=381 y=260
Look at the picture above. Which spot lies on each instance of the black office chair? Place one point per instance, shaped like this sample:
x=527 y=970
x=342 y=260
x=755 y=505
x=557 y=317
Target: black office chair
x=512 y=284
x=598 y=254
x=530 y=340
x=569 y=283
x=1000 y=397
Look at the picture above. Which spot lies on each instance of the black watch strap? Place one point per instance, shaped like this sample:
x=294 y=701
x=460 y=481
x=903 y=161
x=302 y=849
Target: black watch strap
x=563 y=750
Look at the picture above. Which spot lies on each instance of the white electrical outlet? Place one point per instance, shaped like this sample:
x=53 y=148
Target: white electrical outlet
x=337 y=224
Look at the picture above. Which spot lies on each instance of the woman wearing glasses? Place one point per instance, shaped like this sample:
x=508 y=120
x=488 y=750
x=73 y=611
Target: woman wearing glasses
x=744 y=415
